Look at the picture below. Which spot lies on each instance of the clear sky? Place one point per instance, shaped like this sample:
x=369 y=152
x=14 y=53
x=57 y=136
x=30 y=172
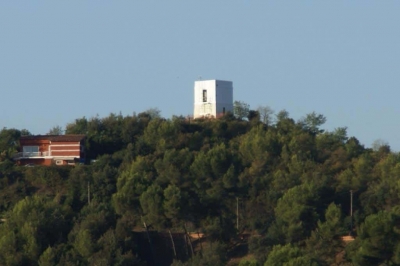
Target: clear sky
x=62 y=60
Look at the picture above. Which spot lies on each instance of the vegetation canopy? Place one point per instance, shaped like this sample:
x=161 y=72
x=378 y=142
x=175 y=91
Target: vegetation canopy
x=250 y=186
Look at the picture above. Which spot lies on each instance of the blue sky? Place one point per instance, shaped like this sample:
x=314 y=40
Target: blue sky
x=62 y=60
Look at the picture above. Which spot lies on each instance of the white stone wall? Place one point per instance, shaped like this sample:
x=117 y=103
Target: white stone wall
x=219 y=96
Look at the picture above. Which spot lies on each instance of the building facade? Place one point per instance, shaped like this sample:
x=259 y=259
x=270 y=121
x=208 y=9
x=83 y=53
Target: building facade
x=51 y=149
x=212 y=98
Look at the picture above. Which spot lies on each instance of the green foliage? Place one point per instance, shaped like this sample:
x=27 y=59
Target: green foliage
x=56 y=130
x=289 y=255
x=281 y=255
x=241 y=109
x=377 y=241
x=247 y=262
x=295 y=212
x=288 y=184
x=48 y=257
x=31 y=226
x=153 y=113
x=324 y=242
x=83 y=243
x=313 y=121
x=282 y=115
x=151 y=202
x=172 y=203
x=132 y=183
x=259 y=144
x=9 y=142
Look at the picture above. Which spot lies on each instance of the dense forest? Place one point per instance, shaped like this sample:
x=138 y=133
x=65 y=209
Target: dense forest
x=262 y=189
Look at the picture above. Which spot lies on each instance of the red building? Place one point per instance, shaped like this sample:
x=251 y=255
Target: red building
x=51 y=149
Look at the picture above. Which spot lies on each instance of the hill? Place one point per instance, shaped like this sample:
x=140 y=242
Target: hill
x=284 y=185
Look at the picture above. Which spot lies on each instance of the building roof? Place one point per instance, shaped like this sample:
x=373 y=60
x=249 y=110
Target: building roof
x=62 y=138
x=216 y=80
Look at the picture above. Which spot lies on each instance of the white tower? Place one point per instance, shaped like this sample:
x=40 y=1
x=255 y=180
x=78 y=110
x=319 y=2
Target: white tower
x=212 y=98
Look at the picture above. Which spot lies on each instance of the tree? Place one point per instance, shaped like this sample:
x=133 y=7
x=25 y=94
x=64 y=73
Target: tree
x=340 y=134
x=56 y=130
x=153 y=113
x=241 y=109
x=253 y=116
x=282 y=115
x=381 y=147
x=289 y=255
x=25 y=132
x=84 y=243
x=131 y=184
x=33 y=225
x=378 y=144
x=80 y=126
x=168 y=172
x=312 y=122
x=266 y=113
x=324 y=242
x=151 y=202
x=258 y=144
x=295 y=212
x=9 y=139
x=378 y=240
x=172 y=202
x=353 y=147
x=48 y=257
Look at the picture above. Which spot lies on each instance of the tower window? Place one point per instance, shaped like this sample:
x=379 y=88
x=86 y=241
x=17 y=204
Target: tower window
x=204 y=96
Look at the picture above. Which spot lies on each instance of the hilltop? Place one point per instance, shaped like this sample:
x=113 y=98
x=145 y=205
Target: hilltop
x=275 y=190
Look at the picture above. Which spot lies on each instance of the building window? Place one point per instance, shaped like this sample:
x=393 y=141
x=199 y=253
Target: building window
x=204 y=96
x=30 y=150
